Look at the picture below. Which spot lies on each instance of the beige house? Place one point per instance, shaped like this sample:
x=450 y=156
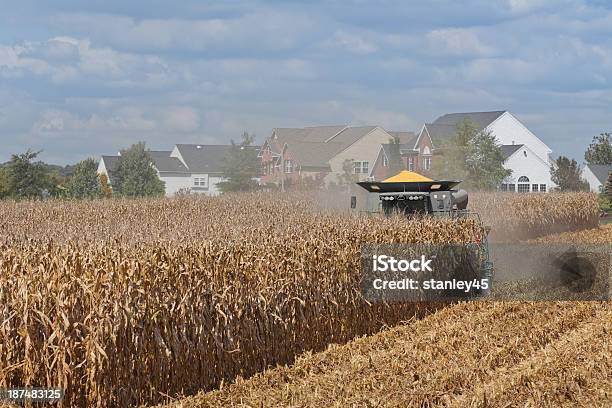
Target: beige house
x=319 y=154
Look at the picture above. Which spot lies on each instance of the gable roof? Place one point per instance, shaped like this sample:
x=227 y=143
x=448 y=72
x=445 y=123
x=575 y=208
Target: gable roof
x=201 y=158
x=316 y=146
x=600 y=171
x=445 y=126
x=110 y=162
x=406 y=138
x=164 y=163
x=509 y=150
x=480 y=119
x=198 y=159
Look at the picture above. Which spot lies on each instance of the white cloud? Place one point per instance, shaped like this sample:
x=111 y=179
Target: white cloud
x=353 y=43
x=265 y=29
x=523 y=6
x=457 y=41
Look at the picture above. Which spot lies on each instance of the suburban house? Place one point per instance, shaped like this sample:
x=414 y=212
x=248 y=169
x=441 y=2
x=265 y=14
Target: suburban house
x=524 y=153
x=319 y=154
x=187 y=167
x=597 y=176
x=415 y=153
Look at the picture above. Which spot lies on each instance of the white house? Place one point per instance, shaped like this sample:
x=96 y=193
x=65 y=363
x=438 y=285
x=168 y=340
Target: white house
x=525 y=154
x=187 y=167
x=597 y=176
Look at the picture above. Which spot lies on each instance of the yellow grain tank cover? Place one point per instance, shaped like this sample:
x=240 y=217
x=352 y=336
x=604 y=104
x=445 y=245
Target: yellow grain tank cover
x=406 y=176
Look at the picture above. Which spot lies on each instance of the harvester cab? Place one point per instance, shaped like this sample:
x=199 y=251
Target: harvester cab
x=412 y=195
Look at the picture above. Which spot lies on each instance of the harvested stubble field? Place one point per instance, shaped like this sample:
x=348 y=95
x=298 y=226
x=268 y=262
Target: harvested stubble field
x=472 y=354
x=122 y=302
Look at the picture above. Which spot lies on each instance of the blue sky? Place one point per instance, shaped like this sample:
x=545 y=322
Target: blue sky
x=85 y=78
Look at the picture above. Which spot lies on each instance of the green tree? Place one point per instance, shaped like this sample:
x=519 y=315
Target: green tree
x=600 y=150
x=135 y=176
x=84 y=182
x=471 y=155
x=395 y=156
x=4 y=183
x=608 y=188
x=105 y=189
x=26 y=178
x=566 y=173
x=451 y=154
x=241 y=166
x=347 y=178
x=484 y=162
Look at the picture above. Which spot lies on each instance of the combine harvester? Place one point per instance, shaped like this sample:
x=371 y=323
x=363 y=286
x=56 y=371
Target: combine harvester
x=414 y=195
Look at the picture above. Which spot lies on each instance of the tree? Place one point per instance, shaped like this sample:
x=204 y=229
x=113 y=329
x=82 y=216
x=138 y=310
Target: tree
x=567 y=175
x=484 y=162
x=347 y=178
x=25 y=178
x=473 y=156
x=600 y=150
x=4 y=183
x=135 y=176
x=105 y=189
x=608 y=188
x=241 y=166
x=395 y=156
x=84 y=183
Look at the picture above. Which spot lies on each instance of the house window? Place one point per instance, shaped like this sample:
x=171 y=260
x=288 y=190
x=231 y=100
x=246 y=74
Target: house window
x=385 y=161
x=534 y=188
x=426 y=162
x=523 y=184
x=504 y=187
x=543 y=188
x=511 y=188
x=411 y=163
x=201 y=182
x=360 y=167
x=288 y=166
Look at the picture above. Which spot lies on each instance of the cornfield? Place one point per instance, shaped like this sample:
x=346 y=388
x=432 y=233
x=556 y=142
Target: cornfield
x=476 y=354
x=524 y=216
x=123 y=302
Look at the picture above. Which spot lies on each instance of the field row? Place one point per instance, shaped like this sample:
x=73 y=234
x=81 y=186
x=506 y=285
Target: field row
x=472 y=354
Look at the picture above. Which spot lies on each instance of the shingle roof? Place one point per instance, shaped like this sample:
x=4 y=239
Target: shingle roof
x=205 y=158
x=403 y=148
x=315 y=146
x=161 y=160
x=445 y=126
x=480 y=119
x=508 y=150
x=601 y=171
x=406 y=138
x=164 y=163
x=110 y=162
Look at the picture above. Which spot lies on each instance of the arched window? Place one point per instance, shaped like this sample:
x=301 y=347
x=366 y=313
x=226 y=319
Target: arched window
x=523 y=184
